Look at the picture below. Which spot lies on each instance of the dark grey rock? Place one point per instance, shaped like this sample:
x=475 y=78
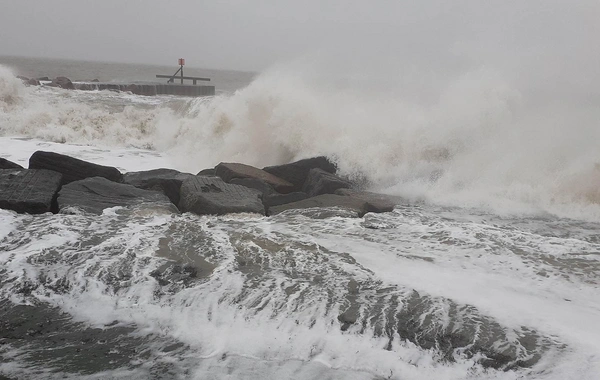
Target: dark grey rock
x=43 y=78
x=254 y=183
x=356 y=205
x=23 y=78
x=6 y=164
x=228 y=171
x=33 y=82
x=63 y=82
x=96 y=194
x=275 y=199
x=166 y=181
x=72 y=169
x=296 y=172
x=377 y=202
x=321 y=182
x=211 y=195
x=30 y=191
x=207 y=172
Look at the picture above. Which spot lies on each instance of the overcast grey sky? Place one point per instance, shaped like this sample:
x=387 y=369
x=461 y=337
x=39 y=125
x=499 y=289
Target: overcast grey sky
x=252 y=35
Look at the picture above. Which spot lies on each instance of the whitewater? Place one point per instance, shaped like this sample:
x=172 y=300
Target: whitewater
x=488 y=270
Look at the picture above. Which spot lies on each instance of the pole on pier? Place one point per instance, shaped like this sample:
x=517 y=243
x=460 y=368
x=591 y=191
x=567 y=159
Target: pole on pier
x=181 y=64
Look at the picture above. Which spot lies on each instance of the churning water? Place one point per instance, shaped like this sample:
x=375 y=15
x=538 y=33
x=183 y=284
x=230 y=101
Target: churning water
x=489 y=270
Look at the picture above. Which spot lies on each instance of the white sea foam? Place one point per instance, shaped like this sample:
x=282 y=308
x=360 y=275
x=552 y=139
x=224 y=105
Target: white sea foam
x=475 y=140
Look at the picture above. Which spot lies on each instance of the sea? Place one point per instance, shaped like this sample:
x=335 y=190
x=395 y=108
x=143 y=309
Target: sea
x=489 y=268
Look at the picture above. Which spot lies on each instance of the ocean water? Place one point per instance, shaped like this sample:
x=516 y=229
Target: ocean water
x=488 y=270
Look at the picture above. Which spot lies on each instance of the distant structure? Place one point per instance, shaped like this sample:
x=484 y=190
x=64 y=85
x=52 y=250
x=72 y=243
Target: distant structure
x=181 y=89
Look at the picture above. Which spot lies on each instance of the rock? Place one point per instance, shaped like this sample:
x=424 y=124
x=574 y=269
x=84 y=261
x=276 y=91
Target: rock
x=6 y=164
x=356 y=205
x=166 y=181
x=72 y=169
x=63 y=82
x=43 y=78
x=228 y=171
x=207 y=172
x=211 y=195
x=254 y=183
x=33 y=82
x=296 y=172
x=95 y=80
x=377 y=202
x=321 y=182
x=30 y=191
x=96 y=194
x=24 y=79
x=275 y=199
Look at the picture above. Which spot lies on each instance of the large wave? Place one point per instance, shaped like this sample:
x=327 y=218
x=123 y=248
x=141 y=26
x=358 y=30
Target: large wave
x=476 y=139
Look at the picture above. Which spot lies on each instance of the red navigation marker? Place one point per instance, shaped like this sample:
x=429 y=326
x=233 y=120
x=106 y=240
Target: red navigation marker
x=181 y=61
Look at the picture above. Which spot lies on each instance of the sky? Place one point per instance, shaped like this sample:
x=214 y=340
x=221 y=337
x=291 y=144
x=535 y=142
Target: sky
x=253 y=35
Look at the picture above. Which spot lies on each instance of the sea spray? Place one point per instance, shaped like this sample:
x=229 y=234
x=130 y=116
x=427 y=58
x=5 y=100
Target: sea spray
x=477 y=139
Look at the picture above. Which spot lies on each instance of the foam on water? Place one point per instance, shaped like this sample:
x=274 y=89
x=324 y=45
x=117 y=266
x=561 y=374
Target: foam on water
x=267 y=294
x=478 y=141
x=427 y=291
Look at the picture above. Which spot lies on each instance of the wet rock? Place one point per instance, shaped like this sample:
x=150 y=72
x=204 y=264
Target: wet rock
x=254 y=183
x=321 y=182
x=63 y=82
x=276 y=199
x=297 y=172
x=356 y=205
x=229 y=171
x=95 y=80
x=6 y=164
x=207 y=172
x=24 y=79
x=30 y=191
x=211 y=195
x=33 y=82
x=72 y=169
x=95 y=194
x=166 y=181
x=377 y=202
x=43 y=79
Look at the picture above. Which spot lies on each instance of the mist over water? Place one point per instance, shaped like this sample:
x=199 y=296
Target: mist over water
x=469 y=136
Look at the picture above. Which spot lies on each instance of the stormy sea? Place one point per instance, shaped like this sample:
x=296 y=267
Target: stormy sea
x=488 y=269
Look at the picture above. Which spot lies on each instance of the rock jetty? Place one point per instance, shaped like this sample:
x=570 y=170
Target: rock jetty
x=59 y=183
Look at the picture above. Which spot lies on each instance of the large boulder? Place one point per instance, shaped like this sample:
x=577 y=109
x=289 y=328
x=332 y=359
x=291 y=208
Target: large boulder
x=72 y=169
x=276 y=199
x=95 y=194
x=30 y=191
x=6 y=164
x=211 y=195
x=254 y=183
x=166 y=181
x=358 y=206
x=228 y=171
x=296 y=172
x=321 y=182
x=33 y=82
x=207 y=172
x=377 y=202
x=63 y=82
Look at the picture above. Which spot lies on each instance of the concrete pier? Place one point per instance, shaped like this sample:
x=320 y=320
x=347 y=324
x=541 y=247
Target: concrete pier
x=149 y=89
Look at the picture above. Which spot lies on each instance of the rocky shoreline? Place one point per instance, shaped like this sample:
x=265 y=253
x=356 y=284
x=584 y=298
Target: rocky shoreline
x=62 y=184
